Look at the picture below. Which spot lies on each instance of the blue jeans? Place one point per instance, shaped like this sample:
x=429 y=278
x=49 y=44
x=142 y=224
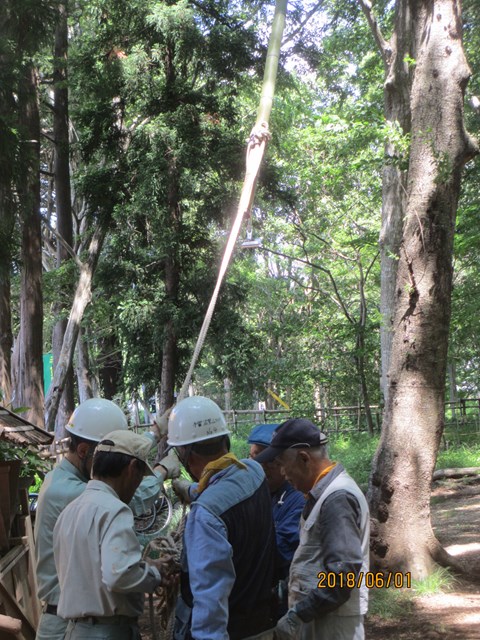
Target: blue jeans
x=86 y=631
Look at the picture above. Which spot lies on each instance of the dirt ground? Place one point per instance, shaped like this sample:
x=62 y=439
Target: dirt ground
x=454 y=615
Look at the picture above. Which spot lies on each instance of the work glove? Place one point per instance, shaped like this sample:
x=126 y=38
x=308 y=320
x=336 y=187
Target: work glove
x=171 y=464
x=288 y=627
x=161 y=424
x=181 y=488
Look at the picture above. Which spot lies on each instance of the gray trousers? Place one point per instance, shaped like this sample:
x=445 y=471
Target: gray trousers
x=333 y=627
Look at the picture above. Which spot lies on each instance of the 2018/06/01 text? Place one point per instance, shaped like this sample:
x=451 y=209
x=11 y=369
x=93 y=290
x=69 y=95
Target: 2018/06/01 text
x=370 y=579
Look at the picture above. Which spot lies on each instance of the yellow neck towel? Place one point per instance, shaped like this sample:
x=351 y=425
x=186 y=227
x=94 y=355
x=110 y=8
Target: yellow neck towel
x=215 y=466
x=323 y=474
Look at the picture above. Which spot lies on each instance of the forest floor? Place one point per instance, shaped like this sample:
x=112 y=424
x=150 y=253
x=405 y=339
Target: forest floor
x=453 y=614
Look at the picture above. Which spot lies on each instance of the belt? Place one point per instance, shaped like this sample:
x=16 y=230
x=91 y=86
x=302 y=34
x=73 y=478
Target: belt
x=107 y=620
x=51 y=608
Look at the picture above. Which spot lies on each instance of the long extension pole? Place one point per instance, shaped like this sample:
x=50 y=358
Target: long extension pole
x=255 y=150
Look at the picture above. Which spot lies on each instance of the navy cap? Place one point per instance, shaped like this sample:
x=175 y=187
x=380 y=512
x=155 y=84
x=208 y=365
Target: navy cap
x=295 y=433
x=262 y=434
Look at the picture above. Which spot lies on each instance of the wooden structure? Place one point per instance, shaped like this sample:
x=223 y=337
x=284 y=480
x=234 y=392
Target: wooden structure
x=19 y=605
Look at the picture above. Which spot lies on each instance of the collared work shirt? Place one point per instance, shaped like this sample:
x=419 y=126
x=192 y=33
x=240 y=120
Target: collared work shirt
x=98 y=557
x=61 y=486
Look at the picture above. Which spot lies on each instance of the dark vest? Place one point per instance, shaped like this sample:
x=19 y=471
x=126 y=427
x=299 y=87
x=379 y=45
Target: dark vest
x=241 y=499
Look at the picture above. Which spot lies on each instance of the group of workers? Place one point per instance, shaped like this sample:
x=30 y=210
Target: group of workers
x=273 y=545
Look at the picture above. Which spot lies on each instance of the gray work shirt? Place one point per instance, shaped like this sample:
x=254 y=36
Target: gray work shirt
x=61 y=486
x=98 y=557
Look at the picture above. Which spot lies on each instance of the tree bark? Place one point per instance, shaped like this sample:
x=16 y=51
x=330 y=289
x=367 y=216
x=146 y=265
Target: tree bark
x=87 y=384
x=7 y=222
x=398 y=76
x=6 y=337
x=29 y=379
x=400 y=484
x=63 y=205
x=7 y=208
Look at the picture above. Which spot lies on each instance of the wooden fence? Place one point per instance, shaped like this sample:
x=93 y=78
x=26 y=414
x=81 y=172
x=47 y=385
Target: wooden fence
x=462 y=422
x=462 y=419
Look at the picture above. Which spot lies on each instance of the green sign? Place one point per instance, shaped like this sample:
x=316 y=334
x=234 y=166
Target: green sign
x=47 y=371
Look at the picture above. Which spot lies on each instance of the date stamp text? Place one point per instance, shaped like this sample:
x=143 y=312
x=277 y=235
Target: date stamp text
x=370 y=579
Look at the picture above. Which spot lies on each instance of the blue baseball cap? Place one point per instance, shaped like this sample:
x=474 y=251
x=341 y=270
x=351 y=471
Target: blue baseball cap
x=295 y=433
x=262 y=434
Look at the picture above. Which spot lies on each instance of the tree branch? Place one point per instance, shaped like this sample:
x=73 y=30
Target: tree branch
x=302 y=24
x=320 y=268
x=383 y=45
x=64 y=244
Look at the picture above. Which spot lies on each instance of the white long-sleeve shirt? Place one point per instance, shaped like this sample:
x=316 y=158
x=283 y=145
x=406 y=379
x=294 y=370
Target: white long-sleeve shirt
x=98 y=557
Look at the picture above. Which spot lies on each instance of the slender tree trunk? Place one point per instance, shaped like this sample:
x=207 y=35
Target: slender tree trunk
x=84 y=378
x=452 y=385
x=400 y=484
x=62 y=197
x=111 y=366
x=397 y=58
x=172 y=267
x=29 y=381
x=169 y=350
x=360 y=348
x=83 y=295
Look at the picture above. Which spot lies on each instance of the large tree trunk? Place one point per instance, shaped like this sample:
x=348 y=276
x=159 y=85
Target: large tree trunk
x=7 y=222
x=399 y=491
x=62 y=198
x=7 y=213
x=29 y=378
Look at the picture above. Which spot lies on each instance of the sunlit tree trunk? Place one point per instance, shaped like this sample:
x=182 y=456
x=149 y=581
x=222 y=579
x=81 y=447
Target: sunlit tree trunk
x=87 y=384
x=400 y=484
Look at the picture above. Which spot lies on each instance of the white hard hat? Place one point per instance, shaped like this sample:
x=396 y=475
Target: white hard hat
x=195 y=419
x=96 y=417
